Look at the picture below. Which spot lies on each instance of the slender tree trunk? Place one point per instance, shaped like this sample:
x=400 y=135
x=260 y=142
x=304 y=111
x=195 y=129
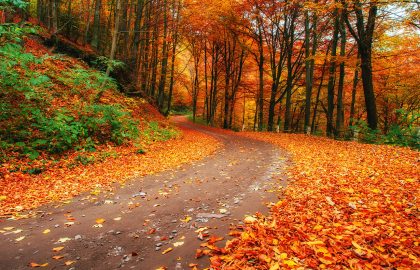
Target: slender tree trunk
x=353 y=93
x=164 y=64
x=340 y=94
x=331 y=80
x=324 y=68
x=308 y=79
x=87 y=29
x=54 y=12
x=309 y=66
x=261 y=84
x=136 y=36
x=115 y=36
x=175 y=34
x=154 y=60
x=96 y=24
x=289 y=36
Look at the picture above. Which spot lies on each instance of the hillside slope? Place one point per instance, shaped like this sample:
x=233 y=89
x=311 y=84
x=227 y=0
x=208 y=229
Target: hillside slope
x=65 y=129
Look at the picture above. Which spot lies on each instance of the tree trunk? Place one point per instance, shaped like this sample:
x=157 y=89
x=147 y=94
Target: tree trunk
x=364 y=38
x=339 y=125
x=331 y=80
x=164 y=63
x=96 y=24
x=353 y=93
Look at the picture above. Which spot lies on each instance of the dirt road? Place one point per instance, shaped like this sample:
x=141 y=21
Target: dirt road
x=131 y=227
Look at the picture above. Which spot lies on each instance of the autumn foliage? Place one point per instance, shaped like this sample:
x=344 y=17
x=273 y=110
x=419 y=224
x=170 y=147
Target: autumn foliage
x=93 y=163
x=347 y=206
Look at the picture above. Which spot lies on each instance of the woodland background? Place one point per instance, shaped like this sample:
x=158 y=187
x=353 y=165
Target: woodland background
x=338 y=68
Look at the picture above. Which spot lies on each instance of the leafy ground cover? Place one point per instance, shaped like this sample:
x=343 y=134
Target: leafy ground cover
x=60 y=182
x=347 y=206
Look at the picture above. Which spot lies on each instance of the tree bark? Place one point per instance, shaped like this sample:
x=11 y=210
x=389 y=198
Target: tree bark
x=96 y=24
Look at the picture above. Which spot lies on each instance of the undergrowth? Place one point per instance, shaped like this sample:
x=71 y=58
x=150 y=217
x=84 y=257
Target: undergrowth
x=49 y=106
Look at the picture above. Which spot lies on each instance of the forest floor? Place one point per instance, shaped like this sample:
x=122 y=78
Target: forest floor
x=154 y=221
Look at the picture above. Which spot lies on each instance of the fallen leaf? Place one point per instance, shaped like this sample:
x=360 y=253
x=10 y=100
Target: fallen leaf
x=223 y=211
x=20 y=238
x=177 y=244
x=69 y=262
x=63 y=240
x=57 y=257
x=46 y=231
x=167 y=251
x=32 y=264
x=250 y=219
x=117 y=218
x=186 y=219
x=57 y=249
x=99 y=220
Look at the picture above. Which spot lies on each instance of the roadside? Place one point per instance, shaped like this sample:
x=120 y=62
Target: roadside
x=133 y=226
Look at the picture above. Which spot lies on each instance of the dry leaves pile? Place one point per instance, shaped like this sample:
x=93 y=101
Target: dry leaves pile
x=23 y=191
x=347 y=206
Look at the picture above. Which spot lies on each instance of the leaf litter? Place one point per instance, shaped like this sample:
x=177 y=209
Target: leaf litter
x=347 y=206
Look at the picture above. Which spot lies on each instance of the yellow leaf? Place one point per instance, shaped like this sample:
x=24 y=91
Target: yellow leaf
x=32 y=264
x=411 y=256
x=318 y=227
x=186 y=219
x=95 y=192
x=57 y=257
x=265 y=258
x=313 y=243
x=2 y=198
x=356 y=245
x=275 y=266
x=290 y=263
x=322 y=250
x=376 y=190
x=100 y=220
x=283 y=256
x=57 y=249
x=8 y=228
x=20 y=238
x=46 y=231
x=69 y=263
x=167 y=251
x=381 y=249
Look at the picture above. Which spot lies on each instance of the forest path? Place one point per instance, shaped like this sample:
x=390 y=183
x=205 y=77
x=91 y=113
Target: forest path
x=152 y=213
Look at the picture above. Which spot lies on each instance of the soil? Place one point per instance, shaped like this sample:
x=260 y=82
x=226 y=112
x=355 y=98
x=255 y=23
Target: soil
x=149 y=214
